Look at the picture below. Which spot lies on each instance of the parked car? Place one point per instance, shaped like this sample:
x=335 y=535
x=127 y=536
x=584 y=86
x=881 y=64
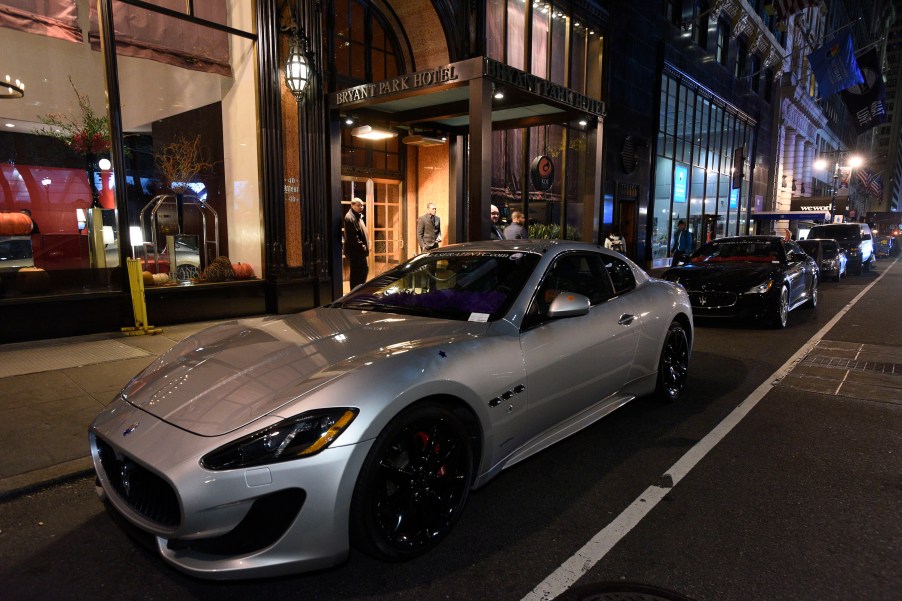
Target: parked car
x=856 y=240
x=758 y=277
x=268 y=446
x=884 y=247
x=829 y=256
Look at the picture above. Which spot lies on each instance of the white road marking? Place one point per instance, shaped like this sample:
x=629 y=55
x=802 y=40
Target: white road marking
x=593 y=551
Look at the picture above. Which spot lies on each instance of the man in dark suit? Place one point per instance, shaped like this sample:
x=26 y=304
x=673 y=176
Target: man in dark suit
x=495 y=231
x=429 y=229
x=357 y=245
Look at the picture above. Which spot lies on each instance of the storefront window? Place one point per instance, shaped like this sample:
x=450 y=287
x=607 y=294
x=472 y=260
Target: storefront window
x=58 y=230
x=190 y=136
x=693 y=175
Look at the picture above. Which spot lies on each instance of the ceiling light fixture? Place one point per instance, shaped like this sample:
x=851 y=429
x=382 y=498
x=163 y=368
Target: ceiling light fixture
x=418 y=140
x=10 y=90
x=368 y=132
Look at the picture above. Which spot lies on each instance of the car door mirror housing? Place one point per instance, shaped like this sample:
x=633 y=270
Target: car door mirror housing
x=568 y=304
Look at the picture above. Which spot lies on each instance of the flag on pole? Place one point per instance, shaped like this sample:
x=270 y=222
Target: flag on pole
x=871 y=182
x=876 y=186
x=866 y=102
x=783 y=9
x=834 y=65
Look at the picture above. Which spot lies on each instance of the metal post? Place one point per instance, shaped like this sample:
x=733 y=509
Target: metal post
x=833 y=196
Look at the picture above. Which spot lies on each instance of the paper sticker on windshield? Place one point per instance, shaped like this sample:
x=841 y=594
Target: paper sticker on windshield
x=478 y=317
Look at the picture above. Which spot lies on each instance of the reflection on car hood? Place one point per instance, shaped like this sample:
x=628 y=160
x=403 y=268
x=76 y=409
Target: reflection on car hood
x=230 y=375
x=721 y=276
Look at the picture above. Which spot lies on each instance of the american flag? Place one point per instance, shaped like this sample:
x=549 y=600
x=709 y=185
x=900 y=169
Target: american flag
x=871 y=182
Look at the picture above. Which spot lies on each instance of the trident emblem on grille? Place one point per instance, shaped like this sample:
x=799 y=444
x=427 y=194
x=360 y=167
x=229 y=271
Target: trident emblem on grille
x=124 y=471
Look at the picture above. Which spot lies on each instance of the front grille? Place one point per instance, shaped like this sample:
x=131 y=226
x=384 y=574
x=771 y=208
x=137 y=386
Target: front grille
x=141 y=489
x=712 y=300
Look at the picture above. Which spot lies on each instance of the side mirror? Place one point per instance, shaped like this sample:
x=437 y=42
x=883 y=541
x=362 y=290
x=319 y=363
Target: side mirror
x=568 y=304
x=795 y=257
x=866 y=237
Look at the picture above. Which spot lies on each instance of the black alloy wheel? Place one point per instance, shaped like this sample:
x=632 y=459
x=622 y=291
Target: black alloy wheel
x=673 y=367
x=781 y=311
x=413 y=485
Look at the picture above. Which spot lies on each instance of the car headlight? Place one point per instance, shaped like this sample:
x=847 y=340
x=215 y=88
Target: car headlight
x=761 y=288
x=301 y=436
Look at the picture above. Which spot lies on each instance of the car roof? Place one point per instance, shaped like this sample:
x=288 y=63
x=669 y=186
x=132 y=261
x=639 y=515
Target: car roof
x=748 y=239
x=538 y=246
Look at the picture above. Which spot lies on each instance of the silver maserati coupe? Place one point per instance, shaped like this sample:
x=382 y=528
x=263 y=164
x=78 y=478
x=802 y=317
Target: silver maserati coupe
x=272 y=445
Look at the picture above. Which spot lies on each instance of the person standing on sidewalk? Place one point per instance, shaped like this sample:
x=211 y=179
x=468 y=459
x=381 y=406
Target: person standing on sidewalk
x=682 y=243
x=517 y=228
x=495 y=231
x=429 y=229
x=357 y=245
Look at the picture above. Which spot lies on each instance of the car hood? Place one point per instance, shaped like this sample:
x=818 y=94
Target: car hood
x=230 y=375
x=721 y=276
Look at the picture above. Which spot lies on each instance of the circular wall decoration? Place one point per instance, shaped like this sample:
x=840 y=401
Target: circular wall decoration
x=542 y=173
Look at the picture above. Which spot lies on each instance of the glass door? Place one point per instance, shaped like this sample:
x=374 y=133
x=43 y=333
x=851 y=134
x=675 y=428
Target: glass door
x=383 y=217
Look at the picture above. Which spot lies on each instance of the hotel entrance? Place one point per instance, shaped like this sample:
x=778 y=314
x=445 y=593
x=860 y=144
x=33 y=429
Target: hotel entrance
x=383 y=216
x=459 y=135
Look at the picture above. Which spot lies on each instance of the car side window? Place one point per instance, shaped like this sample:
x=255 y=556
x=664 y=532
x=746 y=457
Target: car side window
x=577 y=272
x=621 y=275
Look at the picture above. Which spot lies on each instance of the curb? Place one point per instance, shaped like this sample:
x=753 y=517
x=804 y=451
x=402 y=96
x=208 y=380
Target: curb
x=22 y=484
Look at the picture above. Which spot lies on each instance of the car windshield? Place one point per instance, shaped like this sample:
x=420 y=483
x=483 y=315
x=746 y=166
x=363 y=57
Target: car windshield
x=835 y=231
x=830 y=250
x=474 y=286
x=738 y=251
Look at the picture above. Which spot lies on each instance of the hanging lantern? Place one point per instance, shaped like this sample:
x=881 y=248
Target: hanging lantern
x=297 y=69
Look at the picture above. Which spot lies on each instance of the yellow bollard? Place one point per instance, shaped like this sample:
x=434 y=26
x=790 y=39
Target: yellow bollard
x=139 y=307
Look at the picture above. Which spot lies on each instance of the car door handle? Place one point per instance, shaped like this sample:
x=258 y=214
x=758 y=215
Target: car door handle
x=626 y=319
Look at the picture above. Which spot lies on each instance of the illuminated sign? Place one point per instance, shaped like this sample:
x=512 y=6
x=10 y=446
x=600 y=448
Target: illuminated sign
x=680 y=181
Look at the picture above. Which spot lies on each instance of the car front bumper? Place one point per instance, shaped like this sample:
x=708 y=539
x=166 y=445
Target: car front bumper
x=261 y=521
x=732 y=304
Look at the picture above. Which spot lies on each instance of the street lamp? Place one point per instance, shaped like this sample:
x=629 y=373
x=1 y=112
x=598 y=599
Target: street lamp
x=854 y=162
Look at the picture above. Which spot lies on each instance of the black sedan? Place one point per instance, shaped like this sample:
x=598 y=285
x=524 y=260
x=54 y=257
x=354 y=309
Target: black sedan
x=828 y=254
x=748 y=276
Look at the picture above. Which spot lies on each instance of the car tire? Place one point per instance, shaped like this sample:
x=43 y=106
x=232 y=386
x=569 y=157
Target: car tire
x=812 y=295
x=673 y=366
x=413 y=485
x=781 y=311
x=856 y=268
x=866 y=265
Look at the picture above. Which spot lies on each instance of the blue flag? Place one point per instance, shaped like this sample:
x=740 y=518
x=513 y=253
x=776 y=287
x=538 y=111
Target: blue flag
x=834 y=66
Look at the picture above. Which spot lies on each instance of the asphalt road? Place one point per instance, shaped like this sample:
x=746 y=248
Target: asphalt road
x=800 y=500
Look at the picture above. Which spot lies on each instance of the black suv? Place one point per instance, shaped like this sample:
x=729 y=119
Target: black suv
x=856 y=240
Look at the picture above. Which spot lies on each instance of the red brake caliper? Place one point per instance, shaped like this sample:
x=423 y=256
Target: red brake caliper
x=436 y=448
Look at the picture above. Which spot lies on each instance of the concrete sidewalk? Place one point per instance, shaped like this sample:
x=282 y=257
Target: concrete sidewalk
x=51 y=391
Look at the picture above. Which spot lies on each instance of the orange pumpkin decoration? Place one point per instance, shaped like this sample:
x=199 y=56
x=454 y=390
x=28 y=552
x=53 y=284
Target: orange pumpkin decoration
x=15 y=224
x=243 y=271
x=147 y=277
x=32 y=279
